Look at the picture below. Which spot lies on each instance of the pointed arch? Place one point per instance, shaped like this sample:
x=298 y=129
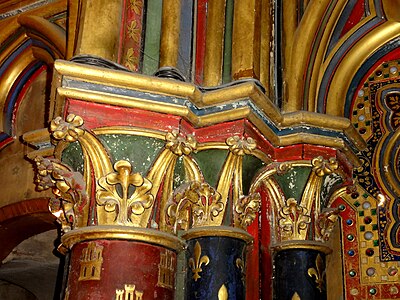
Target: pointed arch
x=33 y=43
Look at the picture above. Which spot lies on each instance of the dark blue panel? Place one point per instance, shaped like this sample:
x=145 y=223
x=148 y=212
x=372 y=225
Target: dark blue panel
x=222 y=269
x=292 y=275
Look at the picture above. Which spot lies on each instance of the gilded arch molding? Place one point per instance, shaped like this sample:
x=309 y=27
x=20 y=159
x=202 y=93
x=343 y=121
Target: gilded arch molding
x=30 y=43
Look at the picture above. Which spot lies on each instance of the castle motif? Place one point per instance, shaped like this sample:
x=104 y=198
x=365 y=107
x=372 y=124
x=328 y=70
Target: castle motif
x=166 y=270
x=91 y=261
x=129 y=293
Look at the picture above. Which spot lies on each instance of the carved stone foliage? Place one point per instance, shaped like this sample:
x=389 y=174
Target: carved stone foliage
x=180 y=145
x=197 y=205
x=325 y=223
x=240 y=146
x=123 y=196
x=303 y=215
x=294 y=220
x=323 y=167
x=68 y=187
x=68 y=130
x=246 y=210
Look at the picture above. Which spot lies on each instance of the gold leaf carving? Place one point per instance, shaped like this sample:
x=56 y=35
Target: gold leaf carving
x=323 y=167
x=68 y=130
x=318 y=273
x=68 y=186
x=283 y=167
x=179 y=144
x=197 y=261
x=325 y=223
x=196 y=206
x=293 y=220
x=124 y=193
x=241 y=146
x=246 y=209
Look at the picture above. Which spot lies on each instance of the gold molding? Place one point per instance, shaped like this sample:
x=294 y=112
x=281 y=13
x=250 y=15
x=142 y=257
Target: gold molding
x=301 y=48
x=10 y=25
x=390 y=8
x=218 y=231
x=310 y=98
x=353 y=60
x=10 y=76
x=130 y=131
x=52 y=32
x=146 y=235
x=91 y=74
x=266 y=72
x=287 y=245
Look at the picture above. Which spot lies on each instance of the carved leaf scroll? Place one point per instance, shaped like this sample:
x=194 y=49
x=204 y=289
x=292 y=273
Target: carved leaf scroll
x=124 y=193
x=68 y=187
x=197 y=205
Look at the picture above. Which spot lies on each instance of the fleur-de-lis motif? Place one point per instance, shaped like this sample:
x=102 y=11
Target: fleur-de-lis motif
x=180 y=145
x=241 y=146
x=125 y=192
x=67 y=130
x=293 y=220
x=197 y=260
x=323 y=167
x=318 y=272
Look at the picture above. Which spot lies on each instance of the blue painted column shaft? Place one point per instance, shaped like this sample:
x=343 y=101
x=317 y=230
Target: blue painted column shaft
x=215 y=268
x=299 y=274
